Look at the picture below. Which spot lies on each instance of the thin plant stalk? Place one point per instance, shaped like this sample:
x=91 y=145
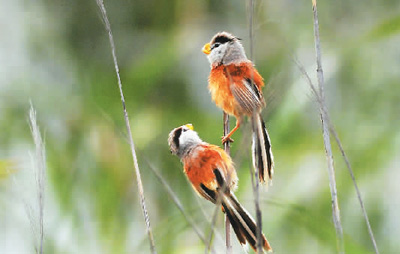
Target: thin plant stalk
x=28 y=210
x=177 y=202
x=40 y=172
x=255 y=182
x=364 y=211
x=344 y=155
x=214 y=221
x=227 y=223
x=326 y=136
x=39 y=166
x=212 y=226
x=107 y=25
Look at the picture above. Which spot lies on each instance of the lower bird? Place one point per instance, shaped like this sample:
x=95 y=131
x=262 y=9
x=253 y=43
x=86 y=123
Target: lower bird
x=212 y=175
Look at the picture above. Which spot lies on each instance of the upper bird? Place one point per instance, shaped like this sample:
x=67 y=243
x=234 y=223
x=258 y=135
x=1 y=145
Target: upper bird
x=236 y=87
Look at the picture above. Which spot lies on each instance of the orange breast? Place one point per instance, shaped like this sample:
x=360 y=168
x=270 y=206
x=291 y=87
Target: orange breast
x=219 y=87
x=200 y=164
x=223 y=77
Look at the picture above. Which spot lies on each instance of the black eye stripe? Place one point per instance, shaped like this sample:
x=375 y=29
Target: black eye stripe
x=177 y=134
x=222 y=39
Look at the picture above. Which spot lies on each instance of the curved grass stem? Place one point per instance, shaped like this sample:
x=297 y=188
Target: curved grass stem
x=107 y=25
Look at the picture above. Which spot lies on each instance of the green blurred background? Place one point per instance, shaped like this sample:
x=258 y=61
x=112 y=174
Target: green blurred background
x=57 y=54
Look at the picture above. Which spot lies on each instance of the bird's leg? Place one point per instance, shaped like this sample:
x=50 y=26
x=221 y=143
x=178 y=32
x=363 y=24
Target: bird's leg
x=227 y=138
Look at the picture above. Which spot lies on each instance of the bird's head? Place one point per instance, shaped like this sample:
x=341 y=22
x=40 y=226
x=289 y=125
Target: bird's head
x=224 y=48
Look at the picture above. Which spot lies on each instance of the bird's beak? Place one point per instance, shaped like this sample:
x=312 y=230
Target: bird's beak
x=207 y=49
x=190 y=126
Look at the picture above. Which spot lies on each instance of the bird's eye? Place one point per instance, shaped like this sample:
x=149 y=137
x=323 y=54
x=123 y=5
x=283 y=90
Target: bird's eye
x=184 y=130
x=215 y=45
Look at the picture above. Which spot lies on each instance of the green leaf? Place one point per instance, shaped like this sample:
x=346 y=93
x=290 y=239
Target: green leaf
x=387 y=28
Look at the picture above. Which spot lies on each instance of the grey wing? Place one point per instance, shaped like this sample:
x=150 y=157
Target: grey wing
x=248 y=96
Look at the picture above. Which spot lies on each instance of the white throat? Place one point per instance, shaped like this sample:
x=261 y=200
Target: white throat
x=187 y=141
x=228 y=53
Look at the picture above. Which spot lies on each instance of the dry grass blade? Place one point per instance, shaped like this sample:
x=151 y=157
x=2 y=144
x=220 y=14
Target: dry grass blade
x=40 y=174
x=212 y=226
x=178 y=204
x=255 y=182
x=364 y=211
x=326 y=136
x=227 y=223
x=29 y=212
x=132 y=146
x=338 y=142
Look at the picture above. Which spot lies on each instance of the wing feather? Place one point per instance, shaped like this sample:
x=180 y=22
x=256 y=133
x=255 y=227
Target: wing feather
x=248 y=96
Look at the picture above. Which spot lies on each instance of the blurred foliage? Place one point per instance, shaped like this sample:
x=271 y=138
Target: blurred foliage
x=5 y=168
x=57 y=54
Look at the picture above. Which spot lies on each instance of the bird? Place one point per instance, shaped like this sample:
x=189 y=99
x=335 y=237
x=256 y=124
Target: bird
x=212 y=175
x=236 y=87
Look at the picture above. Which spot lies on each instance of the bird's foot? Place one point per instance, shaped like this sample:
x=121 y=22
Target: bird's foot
x=225 y=139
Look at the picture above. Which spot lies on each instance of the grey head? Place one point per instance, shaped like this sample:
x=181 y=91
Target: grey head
x=225 y=48
x=183 y=139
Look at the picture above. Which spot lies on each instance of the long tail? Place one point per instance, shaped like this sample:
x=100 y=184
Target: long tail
x=263 y=160
x=242 y=223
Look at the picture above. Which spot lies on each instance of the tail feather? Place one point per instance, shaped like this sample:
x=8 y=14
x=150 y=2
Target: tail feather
x=242 y=223
x=235 y=223
x=263 y=160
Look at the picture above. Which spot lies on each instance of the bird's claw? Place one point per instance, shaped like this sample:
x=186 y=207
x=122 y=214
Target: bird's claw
x=225 y=139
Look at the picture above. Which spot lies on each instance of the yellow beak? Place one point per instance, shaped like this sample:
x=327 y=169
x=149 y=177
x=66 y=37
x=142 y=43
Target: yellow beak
x=207 y=49
x=190 y=126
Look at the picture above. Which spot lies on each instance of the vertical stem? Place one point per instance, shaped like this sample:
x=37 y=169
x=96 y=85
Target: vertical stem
x=40 y=172
x=257 y=196
x=255 y=183
x=346 y=159
x=227 y=223
x=326 y=137
x=228 y=236
x=107 y=25
x=177 y=202
x=227 y=145
x=364 y=211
